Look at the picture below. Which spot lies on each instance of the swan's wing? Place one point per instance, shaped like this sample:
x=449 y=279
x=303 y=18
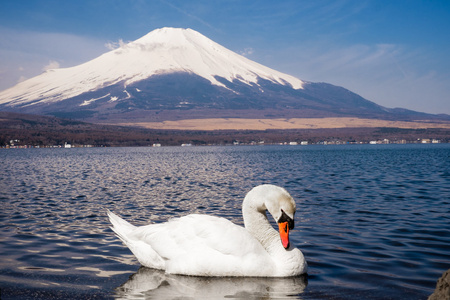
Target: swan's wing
x=205 y=245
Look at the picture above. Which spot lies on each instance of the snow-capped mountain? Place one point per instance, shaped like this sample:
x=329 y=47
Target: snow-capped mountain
x=178 y=72
x=162 y=51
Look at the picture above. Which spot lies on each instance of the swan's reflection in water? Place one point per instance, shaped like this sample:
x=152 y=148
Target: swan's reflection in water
x=154 y=284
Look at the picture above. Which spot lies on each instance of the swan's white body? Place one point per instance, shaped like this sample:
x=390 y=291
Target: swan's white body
x=203 y=245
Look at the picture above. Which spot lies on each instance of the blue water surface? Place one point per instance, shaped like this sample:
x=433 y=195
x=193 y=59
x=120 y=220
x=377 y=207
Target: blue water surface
x=372 y=220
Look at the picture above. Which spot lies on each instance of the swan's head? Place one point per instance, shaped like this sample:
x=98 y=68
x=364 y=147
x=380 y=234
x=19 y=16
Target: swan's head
x=280 y=205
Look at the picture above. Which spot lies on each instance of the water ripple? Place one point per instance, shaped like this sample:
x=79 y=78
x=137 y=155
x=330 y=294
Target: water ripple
x=372 y=221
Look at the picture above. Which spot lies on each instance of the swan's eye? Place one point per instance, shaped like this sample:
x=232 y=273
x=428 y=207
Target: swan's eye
x=285 y=218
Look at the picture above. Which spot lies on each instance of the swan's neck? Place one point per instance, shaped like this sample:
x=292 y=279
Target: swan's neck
x=256 y=222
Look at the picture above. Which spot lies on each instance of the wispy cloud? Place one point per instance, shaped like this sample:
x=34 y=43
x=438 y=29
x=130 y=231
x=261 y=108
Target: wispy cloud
x=115 y=45
x=190 y=15
x=247 y=51
x=51 y=65
x=321 y=61
x=21 y=78
x=25 y=54
x=388 y=74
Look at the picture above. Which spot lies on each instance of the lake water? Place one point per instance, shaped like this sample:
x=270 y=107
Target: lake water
x=372 y=220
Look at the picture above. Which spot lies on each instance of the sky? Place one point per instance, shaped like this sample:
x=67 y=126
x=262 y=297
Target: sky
x=395 y=53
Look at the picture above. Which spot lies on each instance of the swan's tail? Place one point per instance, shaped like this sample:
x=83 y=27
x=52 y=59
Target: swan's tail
x=121 y=227
x=142 y=250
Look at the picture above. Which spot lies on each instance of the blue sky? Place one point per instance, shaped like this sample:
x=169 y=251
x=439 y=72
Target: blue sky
x=395 y=53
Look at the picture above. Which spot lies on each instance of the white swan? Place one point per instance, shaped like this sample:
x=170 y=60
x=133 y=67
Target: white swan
x=203 y=245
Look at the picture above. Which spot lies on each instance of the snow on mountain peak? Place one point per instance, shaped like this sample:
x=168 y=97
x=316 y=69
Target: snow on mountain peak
x=165 y=50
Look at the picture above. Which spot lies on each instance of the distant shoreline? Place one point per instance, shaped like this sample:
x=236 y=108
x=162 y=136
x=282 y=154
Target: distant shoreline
x=42 y=131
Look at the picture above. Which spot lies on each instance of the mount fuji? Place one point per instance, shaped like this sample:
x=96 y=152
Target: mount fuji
x=173 y=73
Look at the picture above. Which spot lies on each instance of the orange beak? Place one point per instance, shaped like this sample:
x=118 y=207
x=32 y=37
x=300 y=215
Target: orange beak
x=284 y=233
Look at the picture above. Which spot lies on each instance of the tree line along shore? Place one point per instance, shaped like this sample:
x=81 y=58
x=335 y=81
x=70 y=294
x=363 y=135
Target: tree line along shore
x=21 y=130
